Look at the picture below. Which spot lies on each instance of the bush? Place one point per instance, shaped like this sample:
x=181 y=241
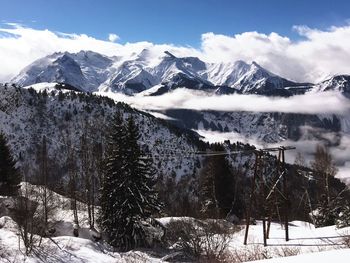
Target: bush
x=344 y=217
x=206 y=241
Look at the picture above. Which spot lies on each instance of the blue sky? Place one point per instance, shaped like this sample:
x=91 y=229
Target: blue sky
x=213 y=30
x=179 y=22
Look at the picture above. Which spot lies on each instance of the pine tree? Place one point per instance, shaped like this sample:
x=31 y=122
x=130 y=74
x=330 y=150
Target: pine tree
x=127 y=195
x=9 y=175
x=141 y=199
x=209 y=202
x=217 y=186
x=112 y=191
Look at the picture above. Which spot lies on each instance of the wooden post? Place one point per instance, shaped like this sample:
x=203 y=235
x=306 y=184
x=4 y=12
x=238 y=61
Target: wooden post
x=264 y=230
x=262 y=173
x=252 y=195
x=286 y=203
x=268 y=226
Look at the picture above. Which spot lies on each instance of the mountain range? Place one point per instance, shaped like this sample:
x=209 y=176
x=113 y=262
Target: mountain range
x=149 y=74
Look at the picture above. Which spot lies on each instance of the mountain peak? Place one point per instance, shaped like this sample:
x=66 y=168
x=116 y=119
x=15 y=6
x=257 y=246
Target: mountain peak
x=145 y=54
x=254 y=63
x=240 y=63
x=169 y=54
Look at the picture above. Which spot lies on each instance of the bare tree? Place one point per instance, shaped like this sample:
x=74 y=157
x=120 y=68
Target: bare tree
x=91 y=156
x=299 y=160
x=324 y=166
x=72 y=180
x=43 y=181
x=87 y=170
x=26 y=217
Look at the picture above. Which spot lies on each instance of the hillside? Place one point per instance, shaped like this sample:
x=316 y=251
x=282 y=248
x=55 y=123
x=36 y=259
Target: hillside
x=63 y=116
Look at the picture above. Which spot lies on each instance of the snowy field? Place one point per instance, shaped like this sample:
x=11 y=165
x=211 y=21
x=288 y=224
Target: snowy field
x=306 y=244
x=61 y=249
x=305 y=239
x=339 y=256
x=326 y=244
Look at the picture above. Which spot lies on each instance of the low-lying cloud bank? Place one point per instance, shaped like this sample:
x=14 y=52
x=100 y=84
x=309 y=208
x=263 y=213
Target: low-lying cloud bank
x=318 y=54
x=310 y=103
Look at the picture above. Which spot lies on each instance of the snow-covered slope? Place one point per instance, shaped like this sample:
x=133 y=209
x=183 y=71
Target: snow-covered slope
x=25 y=116
x=225 y=73
x=62 y=246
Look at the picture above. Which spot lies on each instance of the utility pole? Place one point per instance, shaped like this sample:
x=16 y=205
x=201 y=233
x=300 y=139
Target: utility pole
x=260 y=174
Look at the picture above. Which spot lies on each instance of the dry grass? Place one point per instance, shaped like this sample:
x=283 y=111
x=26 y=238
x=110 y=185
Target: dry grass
x=258 y=252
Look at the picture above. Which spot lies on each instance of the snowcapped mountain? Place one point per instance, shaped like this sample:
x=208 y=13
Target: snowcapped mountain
x=90 y=71
x=258 y=80
x=339 y=83
x=167 y=72
x=84 y=70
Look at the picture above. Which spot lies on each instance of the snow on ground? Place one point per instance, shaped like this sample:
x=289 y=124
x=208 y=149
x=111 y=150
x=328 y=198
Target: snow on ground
x=304 y=238
x=42 y=86
x=61 y=249
x=64 y=247
x=338 y=256
x=301 y=234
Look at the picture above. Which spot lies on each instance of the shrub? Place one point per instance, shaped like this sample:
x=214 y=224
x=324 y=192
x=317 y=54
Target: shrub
x=206 y=241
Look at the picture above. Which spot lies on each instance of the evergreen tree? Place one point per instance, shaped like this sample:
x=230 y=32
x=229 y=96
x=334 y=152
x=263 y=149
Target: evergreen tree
x=112 y=185
x=9 y=175
x=140 y=201
x=217 y=186
x=127 y=195
x=209 y=202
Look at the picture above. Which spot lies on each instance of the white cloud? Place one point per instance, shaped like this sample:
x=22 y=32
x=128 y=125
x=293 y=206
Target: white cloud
x=216 y=136
x=310 y=103
x=113 y=37
x=318 y=54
